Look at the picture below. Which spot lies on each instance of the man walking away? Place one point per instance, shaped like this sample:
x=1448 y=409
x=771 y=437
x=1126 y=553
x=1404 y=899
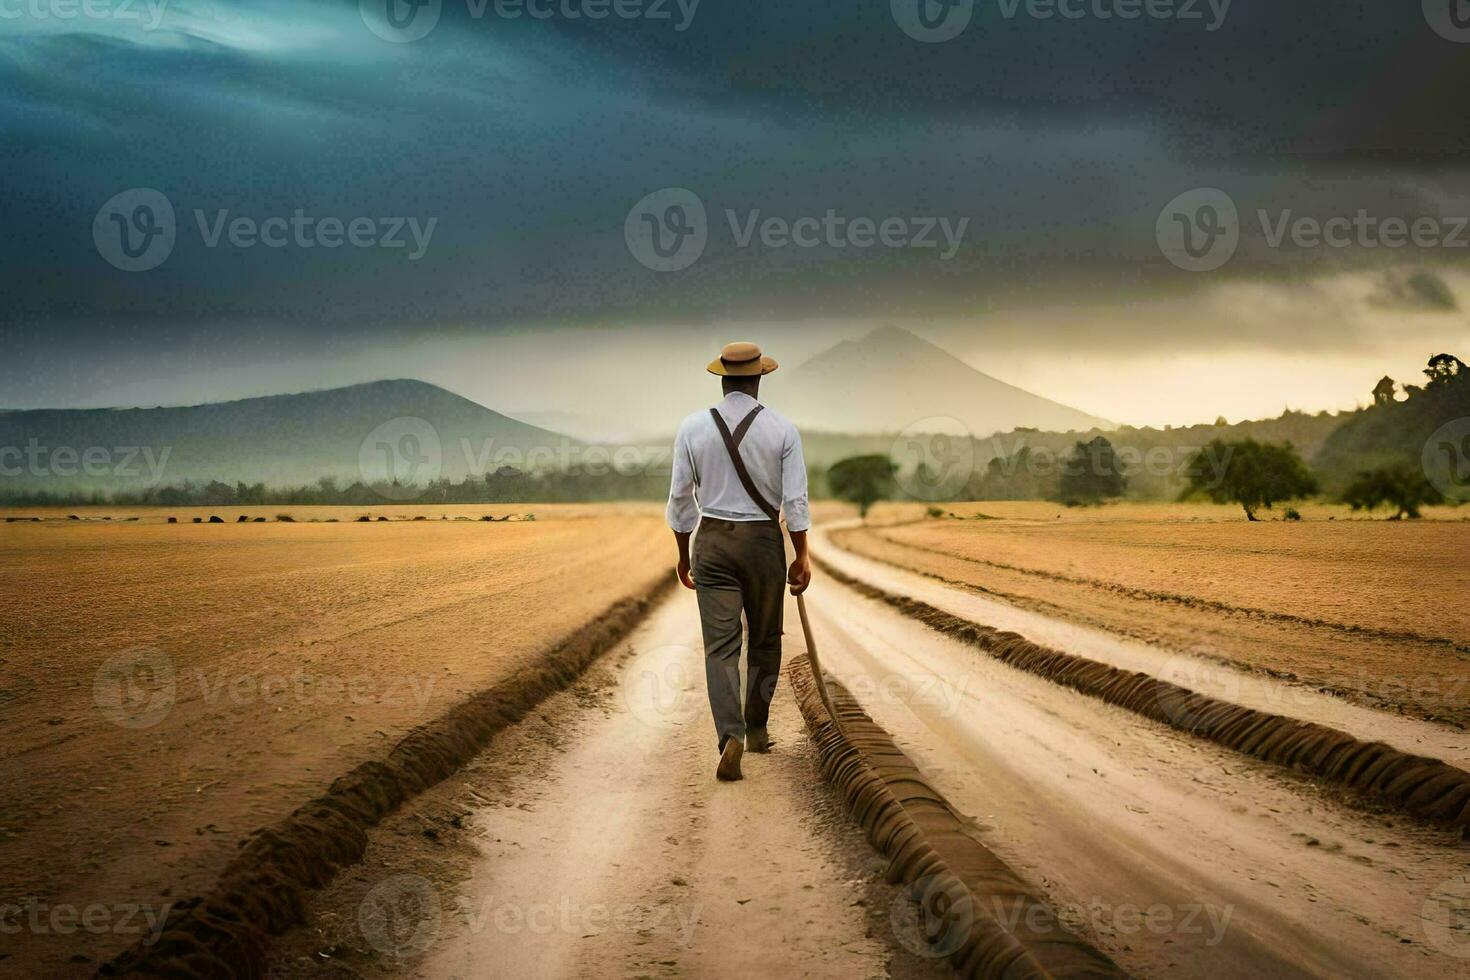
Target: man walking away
x=735 y=466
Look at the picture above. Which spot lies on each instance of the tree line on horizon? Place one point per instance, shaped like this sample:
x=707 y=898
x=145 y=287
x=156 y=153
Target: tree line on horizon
x=1366 y=458
x=1374 y=459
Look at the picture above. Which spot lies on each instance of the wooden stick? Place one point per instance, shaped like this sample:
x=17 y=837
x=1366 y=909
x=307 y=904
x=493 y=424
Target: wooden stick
x=812 y=659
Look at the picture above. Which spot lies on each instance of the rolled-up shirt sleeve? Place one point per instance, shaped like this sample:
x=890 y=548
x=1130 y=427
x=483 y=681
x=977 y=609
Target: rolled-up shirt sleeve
x=683 y=512
x=793 y=484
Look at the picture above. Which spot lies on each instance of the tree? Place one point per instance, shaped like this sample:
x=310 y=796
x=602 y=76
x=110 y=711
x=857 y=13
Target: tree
x=1444 y=369
x=216 y=492
x=1401 y=485
x=1383 y=391
x=1252 y=474
x=862 y=480
x=1092 y=474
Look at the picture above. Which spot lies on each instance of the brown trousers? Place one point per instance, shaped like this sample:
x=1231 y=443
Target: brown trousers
x=740 y=567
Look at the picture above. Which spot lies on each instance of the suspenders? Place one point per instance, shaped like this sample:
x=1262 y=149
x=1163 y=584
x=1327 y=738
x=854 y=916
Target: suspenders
x=732 y=444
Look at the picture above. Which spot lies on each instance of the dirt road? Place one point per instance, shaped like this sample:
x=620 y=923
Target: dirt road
x=1198 y=673
x=595 y=841
x=661 y=869
x=600 y=843
x=1178 y=858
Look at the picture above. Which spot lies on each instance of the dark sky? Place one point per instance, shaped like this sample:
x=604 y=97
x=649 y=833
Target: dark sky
x=526 y=141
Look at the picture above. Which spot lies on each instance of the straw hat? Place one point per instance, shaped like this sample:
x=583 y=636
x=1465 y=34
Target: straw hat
x=740 y=360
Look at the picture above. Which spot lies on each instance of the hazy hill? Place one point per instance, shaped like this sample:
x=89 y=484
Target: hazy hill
x=350 y=433
x=891 y=379
x=1394 y=432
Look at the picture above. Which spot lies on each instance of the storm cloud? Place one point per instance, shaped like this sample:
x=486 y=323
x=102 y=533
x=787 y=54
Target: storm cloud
x=294 y=143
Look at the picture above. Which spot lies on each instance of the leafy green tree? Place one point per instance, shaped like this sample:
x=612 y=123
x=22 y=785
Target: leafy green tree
x=216 y=492
x=1092 y=474
x=862 y=480
x=1252 y=474
x=1403 y=486
x=1026 y=474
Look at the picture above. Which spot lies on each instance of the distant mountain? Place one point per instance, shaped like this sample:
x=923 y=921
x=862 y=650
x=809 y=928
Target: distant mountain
x=385 y=430
x=891 y=380
x=588 y=428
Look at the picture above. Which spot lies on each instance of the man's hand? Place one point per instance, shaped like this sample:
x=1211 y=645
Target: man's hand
x=800 y=575
x=681 y=539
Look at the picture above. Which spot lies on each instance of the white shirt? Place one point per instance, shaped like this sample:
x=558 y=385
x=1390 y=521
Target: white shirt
x=771 y=450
